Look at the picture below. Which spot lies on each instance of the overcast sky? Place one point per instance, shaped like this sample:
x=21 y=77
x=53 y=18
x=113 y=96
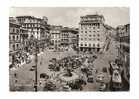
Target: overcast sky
x=71 y=16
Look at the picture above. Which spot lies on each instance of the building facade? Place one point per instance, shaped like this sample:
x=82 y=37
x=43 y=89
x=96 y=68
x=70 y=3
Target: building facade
x=55 y=38
x=91 y=33
x=123 y=33
x=37 y=28
x=69 y=38
x=18 y=39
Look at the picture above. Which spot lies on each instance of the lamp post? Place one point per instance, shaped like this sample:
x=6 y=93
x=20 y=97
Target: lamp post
x=36 y=61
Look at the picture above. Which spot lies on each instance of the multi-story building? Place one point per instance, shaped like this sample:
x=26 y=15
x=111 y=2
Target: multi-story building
x=37 y=28
x=55 y=36
x=69 y=37
x=123 y=33
x=92 y=33
x=17 y=39
x=24 y=39
x=110 y=31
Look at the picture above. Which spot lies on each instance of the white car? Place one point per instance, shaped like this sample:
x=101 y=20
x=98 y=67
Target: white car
x=100 y=77
x=66 y=88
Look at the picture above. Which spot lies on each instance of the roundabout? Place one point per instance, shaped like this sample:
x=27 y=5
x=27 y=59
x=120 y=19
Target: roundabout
x=64 y=77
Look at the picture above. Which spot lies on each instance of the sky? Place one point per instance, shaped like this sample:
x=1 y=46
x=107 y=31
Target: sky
x=70 y=16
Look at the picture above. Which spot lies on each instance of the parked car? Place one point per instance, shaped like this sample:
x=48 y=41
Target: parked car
x=102 y=87
x=44 y=75
x=32 y=68
x=100 y=77
x=90 y=79
x=66 y=88
x=104 y=69
x=49 y=86
x=28 y=60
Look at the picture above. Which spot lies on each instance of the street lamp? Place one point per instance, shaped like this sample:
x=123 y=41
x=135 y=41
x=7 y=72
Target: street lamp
x=36 y=61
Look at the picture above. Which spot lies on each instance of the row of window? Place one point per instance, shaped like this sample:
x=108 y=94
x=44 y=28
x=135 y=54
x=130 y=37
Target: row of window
x=15 y=47
x=14 y=30
x=90 y=39
x=28 y=20
x=14 y=37
x=89 y=31
x=93 y=18
x=31 y=25
x=94 y=35
x=54 y=31
x=93 y=45
x=90 y=27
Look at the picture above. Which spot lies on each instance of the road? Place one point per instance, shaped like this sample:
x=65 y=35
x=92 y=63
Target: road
x=25 y=78
x=101 y=62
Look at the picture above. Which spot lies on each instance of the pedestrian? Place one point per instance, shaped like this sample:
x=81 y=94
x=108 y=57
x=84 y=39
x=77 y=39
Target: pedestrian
x=15 y=75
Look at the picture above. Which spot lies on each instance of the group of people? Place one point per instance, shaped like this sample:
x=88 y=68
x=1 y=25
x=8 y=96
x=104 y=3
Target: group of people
x=20 y=59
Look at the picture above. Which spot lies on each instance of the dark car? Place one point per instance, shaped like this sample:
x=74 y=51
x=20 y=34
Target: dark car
x=44 y=75
x=90 y=79
x=102 y=87
x=104 y=69
x=49 y=86
x=31 y=69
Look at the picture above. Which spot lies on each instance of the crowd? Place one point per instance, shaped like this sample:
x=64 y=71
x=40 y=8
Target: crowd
x=20 y=59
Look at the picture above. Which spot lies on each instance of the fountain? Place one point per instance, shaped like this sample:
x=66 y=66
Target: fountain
x=68 y=76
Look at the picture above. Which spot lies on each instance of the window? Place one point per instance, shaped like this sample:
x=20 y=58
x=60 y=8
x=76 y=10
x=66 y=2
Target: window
x=13 y=37
x=81 y=38
x=93 y=45
x=85 y=44
x=17 y=46
x=94 y=35
x=17 y=38
x=13 y=30
x=85 y=38
x=17 y=30
x=13 y=47
x=89 y=45
x=81 y=44
x=98 y=39
x=98 y=45
x=98 y=35
x=85 y=31
x=90 y=35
